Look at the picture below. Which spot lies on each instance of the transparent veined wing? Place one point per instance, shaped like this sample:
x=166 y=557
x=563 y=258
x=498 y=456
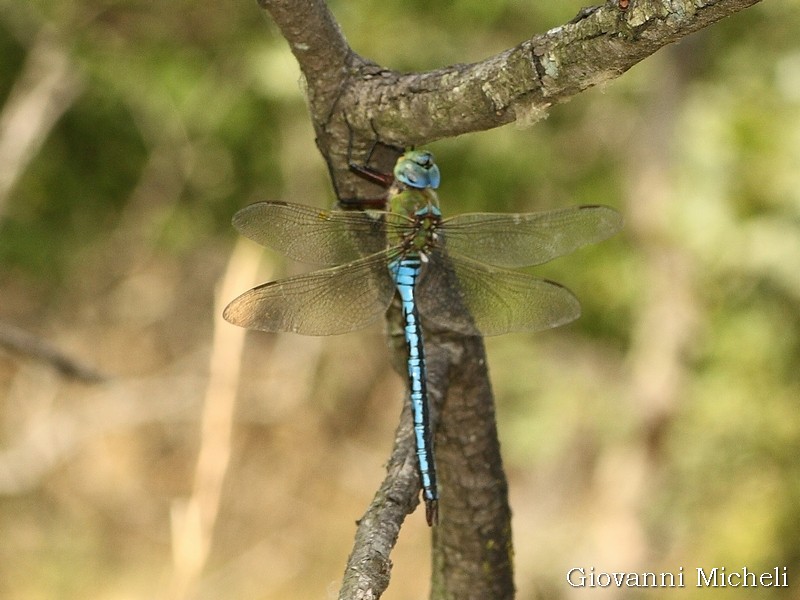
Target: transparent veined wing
x=521 y=240
x=312 y=235
x=474 y=298
x=327 y=302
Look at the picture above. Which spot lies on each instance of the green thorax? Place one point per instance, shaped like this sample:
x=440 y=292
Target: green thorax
x=417 y=210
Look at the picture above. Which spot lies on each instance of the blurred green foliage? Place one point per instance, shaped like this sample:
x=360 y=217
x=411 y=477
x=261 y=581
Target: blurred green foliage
x=661 y=430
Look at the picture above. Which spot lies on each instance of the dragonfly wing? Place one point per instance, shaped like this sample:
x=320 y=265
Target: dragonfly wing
x=474 y=298
x=332 y=301
x=521 y=240
x=312 y=235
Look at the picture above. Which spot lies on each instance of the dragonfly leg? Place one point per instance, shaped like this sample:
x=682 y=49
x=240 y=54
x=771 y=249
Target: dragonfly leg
x=366 y=172
x=363 y=169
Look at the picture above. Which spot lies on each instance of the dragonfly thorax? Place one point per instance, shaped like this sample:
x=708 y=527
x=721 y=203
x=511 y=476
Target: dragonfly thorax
x=419 y=217
x=423 y=234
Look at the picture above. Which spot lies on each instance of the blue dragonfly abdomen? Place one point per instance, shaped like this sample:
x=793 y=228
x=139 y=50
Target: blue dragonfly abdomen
x=405 y=273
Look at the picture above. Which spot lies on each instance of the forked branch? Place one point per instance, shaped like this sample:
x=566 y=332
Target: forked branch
x=354 y=101
x=518 y=84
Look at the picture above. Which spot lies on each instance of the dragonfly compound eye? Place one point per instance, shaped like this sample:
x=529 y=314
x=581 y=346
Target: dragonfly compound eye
x=417 y=169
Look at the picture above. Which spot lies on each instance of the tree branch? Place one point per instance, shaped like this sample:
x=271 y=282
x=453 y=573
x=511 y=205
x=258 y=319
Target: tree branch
x=597 y=46
x=354 y=103
x=520 y=84
x=369 y=566
x=318 y=45
x=20 y=341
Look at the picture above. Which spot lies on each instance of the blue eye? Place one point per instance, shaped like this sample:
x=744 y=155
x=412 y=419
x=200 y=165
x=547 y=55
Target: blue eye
x=417 y=169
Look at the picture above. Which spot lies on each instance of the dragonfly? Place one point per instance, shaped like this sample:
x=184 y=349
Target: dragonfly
x=453 y=274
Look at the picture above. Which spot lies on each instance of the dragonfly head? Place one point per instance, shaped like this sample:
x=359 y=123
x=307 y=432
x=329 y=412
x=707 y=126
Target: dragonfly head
x=417 y=169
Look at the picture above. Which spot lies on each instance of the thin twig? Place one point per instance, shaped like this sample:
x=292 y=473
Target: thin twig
x=20 y=341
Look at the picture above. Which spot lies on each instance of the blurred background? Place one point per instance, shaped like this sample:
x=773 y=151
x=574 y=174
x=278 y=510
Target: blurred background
x=149 y=450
